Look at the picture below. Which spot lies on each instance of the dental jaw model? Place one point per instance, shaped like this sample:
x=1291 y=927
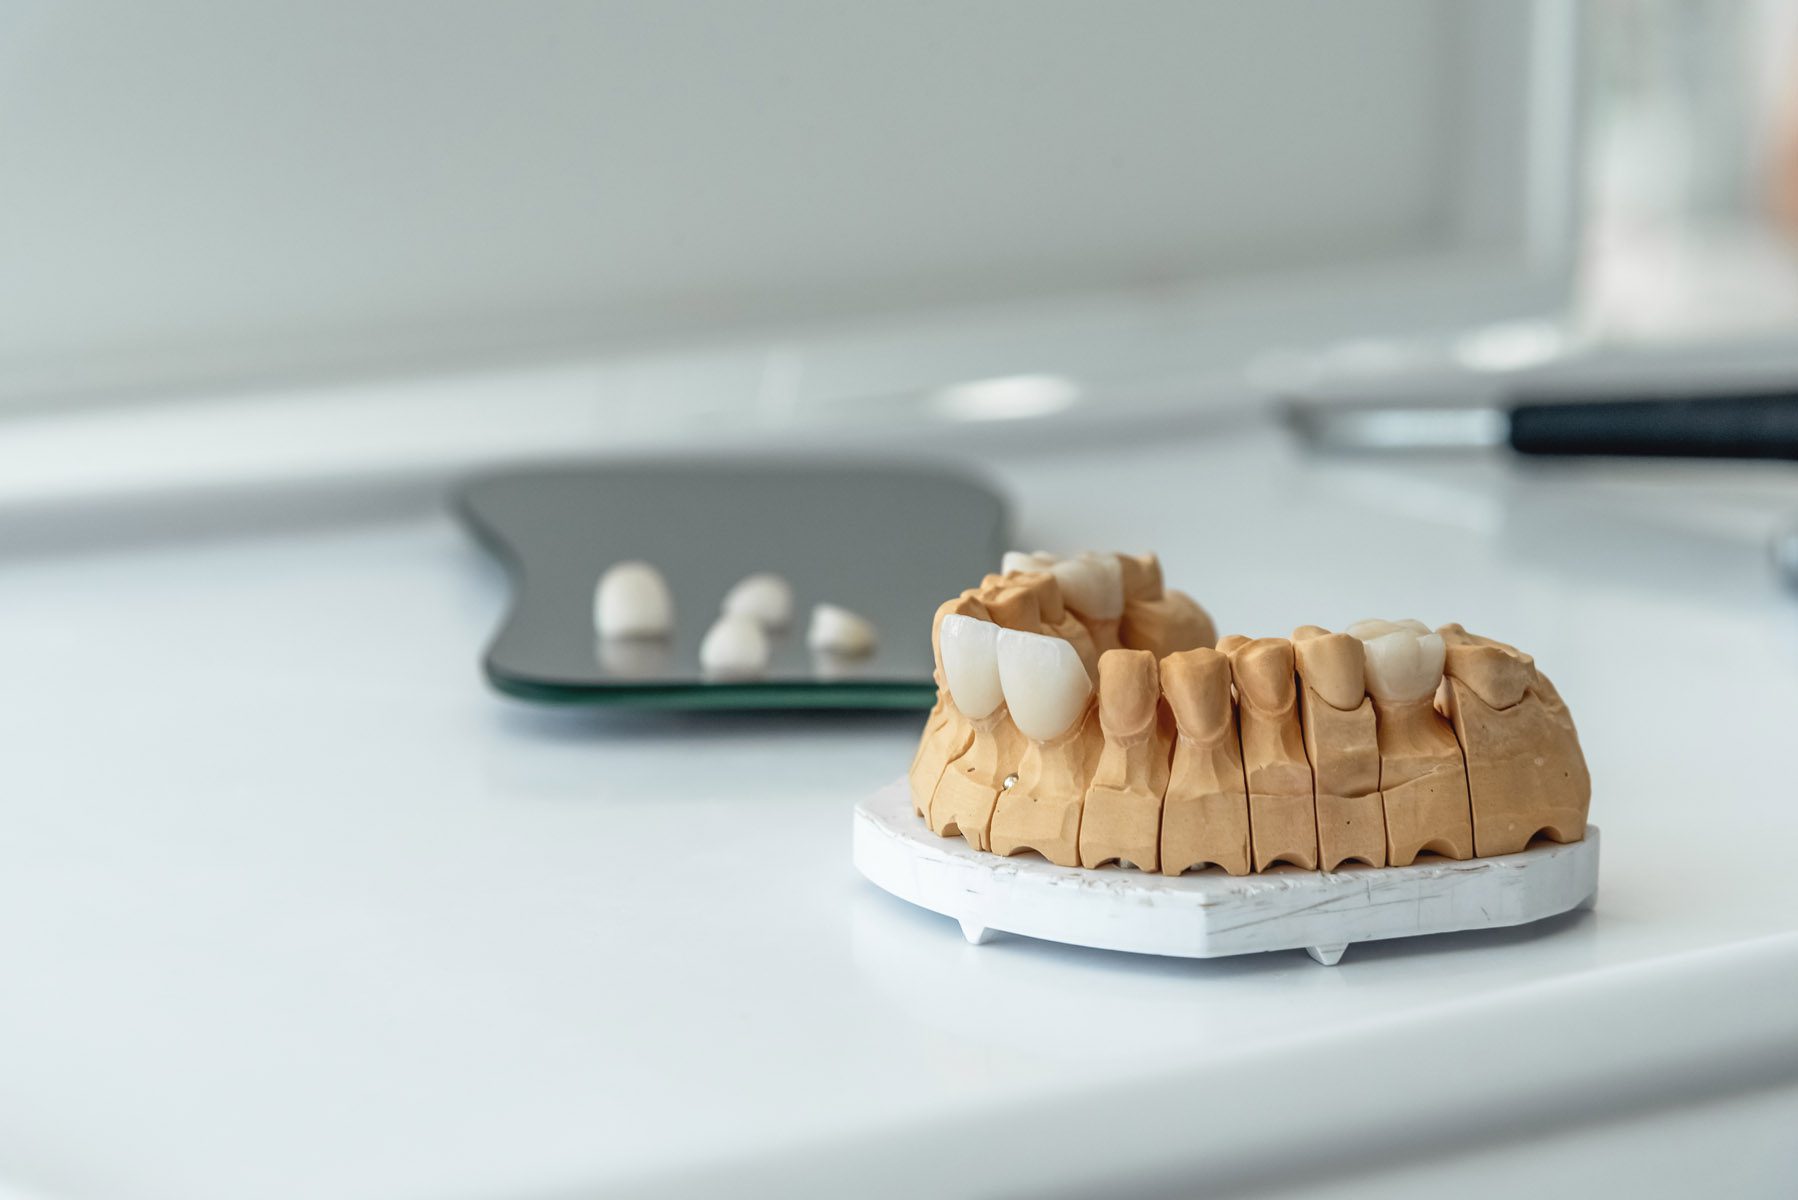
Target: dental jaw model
x=1263 y=794
x=1312 y=754
x=1423 y=777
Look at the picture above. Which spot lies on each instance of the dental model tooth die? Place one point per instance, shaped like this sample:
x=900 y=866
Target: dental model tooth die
x=1049 y=695
x=1342 y=742
x=1120 y=820
x=1423 y=777
x=1307 y=793
x=1205 y=816
x=1282 y=809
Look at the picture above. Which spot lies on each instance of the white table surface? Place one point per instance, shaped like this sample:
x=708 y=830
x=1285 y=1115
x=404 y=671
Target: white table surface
x=291 y=905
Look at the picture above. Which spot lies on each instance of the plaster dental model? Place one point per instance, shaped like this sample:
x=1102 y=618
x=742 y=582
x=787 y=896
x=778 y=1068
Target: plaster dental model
x=735 y=647
x=1369 y=747
x=764 y=597
x=1525 y=772
x=1205 y=817
x=1050 y=696
x=970 y=785
x=632 y=600
x=1423 y=778
x=1121 y=818
x=836 y=630
x=1282 y=813
x=1342 y=743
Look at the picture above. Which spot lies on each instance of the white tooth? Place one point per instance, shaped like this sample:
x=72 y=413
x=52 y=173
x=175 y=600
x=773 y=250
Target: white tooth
x=1019 y=560
x=836 y=630
x=632 y=600
x=735 y=647
x=1404 y=659
x=971 y=663
x=1045 y=684
x=1092 y=585
x=764 y=596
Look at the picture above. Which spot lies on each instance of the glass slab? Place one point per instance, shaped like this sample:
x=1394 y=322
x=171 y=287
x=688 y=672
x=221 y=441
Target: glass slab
x=887 y=541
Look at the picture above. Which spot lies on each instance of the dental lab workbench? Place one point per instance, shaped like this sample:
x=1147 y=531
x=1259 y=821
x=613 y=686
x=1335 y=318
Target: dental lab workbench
x=291 y=904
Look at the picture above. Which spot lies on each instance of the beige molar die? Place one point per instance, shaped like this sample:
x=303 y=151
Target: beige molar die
x=1121 y=819
x=1526 y=773
x=1342 y=742
x=1205 y=816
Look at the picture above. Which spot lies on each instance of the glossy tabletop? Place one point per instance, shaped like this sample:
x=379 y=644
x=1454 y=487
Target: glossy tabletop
x=292 y=905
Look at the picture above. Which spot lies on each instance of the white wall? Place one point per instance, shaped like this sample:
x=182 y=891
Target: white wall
x=196 y=191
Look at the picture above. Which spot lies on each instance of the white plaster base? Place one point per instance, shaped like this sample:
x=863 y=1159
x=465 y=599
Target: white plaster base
x=1209 y=914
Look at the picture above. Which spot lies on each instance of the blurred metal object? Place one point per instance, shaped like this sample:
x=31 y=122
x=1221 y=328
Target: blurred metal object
x=1735 y=425
x=1342 y=428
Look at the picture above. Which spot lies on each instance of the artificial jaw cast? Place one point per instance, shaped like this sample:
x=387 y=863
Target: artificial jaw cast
x=1342 y=742
x=1121 y=817
x=1423 y=778
x=1332 y=748
x=1050 y=697
x=971 y=782
x=1205 y=816
x=1526 y=774
x=1282 y=813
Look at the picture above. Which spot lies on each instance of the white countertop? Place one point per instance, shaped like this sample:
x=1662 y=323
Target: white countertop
x=291 y=905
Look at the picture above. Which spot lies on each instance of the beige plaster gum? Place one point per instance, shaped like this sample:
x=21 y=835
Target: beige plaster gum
x=1121 y=818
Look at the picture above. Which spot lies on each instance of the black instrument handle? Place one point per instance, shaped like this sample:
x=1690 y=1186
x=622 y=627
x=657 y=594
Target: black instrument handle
x=1761 y=425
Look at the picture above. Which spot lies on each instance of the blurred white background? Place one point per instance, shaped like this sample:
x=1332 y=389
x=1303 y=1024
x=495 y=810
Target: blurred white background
x=198 y=195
